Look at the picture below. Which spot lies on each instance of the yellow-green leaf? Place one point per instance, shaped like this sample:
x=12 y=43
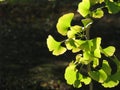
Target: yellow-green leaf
x=55 y=46
x=99 y=75
x=110 y=83
x=109 y=51
x=64 y=23
x=70 y=74
x=74 y=30
x=98 y=13
x=95 y=62
x=86 y=80
x=83 y=7
x=106 y=67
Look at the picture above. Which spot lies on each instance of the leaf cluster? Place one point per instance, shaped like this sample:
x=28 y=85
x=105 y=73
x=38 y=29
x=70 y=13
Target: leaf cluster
x=88 y=51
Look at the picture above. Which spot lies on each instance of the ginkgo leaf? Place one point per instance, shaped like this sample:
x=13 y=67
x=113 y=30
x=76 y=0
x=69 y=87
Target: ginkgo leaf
x=86 y=80
x=97 y=53
x=116 y=76
x=77 y=83
x=70 y=44
x=55 y=46
x=101 y=1
x=74 y=30
x=117 y=62
x=98 y=13
x=113 y=7
x=64 y=23
x=70 y=74
x=93 y=2
x=109 y=51
x=99 y=75
x=74 y=45
x=110 y=83
x=83 y=7
x=87 y=22
x=106 y=67
x=96 y=47
x=95 y=62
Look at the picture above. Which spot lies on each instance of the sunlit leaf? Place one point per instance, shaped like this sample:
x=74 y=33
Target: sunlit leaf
x=109 y=51
x=83 y=7
x=86 y=80
x=64 y=23
x=86 y=59
x=99 y=75
x=110 y=83
x=97 y=53
x=86 y=55
x=78 y=57
x=98 y=13
x=86 y=45
x=86 y=22
x=95 y=62
x=102 y=76
x=96 y=47
x=70 y=44
x=93 y=2
x=106 y=67
x=74 y=45
x=77 y=83
x=70 y=74
x=101 y=1
x=74 y=30
x=55 y=46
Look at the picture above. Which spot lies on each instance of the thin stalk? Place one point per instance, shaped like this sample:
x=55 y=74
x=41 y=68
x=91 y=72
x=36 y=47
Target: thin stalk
x=91 y=84
x=89 y=65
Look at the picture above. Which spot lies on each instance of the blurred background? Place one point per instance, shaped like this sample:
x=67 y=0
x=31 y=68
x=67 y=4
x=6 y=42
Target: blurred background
x=25 y=62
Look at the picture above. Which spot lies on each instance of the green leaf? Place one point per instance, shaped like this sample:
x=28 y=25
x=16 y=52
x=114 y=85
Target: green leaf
x=117 y=62
x=109 y=51
x=86 y=80
x=2 y=0
x=116 y=76
x=99 y=75
x=101 y=1
x=70 y=74
x=83 y=7
x=77 y=83
x=98 y=13
x=97 y=53
x=95 y=62
x=110 y=83
x=93 y=2
x=86 y=59
x=106 y=67
x=96 y=47
x=87 y=21
x=86 y=55
x=74 y=30
x=113 y=7
x=64 y=23
x=74 y=45
x=55 y=46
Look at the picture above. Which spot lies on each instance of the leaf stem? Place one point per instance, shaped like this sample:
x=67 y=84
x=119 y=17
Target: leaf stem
x=89 y=65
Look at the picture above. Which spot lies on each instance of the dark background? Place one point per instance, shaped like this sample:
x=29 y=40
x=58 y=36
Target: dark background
x=25 y=62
